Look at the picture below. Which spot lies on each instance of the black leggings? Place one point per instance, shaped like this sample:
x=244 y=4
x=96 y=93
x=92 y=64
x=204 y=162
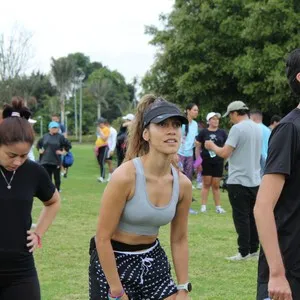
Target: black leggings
x=55 y=170
x=102 y=156
x=26 y=288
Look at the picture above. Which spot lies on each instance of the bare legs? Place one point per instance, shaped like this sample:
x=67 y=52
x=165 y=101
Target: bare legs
x=213 y=183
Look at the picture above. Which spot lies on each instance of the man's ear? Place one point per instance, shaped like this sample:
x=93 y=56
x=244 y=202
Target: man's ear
x=298 y=77
x=146 y=136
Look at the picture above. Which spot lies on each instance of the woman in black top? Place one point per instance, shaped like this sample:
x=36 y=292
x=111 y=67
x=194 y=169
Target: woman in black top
x=212 y=165
x=51 y=147
x=20 y=181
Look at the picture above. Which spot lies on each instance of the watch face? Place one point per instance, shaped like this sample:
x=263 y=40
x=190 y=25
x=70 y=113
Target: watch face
x=189 y=286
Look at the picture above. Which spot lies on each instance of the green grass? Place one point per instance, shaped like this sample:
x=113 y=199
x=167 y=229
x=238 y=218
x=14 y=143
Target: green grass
x=63 y=261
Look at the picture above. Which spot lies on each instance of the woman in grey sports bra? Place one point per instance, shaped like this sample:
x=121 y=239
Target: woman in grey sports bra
x=144 y=193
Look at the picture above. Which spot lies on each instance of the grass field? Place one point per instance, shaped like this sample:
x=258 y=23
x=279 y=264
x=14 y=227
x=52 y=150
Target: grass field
x=63 y=261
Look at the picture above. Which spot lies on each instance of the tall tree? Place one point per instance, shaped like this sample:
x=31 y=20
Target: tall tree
x=213 y=51
x=15 y=53
x=110 y=92
x=63 y=71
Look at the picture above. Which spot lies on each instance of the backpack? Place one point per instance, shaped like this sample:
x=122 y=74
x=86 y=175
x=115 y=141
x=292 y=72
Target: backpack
x=68 y=159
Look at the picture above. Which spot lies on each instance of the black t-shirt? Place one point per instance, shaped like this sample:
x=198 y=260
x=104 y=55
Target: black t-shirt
x=219 y=137
x=284 y=158
x=30 y=180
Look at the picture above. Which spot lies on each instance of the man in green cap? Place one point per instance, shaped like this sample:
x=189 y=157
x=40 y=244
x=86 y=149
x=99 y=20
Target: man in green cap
x=243 y=148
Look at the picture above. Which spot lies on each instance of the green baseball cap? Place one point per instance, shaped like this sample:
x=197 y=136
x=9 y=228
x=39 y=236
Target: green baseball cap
x=235 y=105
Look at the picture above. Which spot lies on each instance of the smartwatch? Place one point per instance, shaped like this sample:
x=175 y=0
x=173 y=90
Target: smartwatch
x=186 y=287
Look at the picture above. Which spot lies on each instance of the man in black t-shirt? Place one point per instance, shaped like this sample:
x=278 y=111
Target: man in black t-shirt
x=277 y=209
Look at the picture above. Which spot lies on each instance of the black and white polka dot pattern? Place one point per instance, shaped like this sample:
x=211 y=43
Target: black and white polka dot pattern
x=144 y=275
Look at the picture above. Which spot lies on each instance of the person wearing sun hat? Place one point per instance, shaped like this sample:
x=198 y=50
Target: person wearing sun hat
x=212 y=164
x=122 y=137
x=146 y=192
x=243 y=150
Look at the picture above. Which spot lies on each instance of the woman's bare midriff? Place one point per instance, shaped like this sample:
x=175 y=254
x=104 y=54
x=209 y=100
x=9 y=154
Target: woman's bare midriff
x=133 y=239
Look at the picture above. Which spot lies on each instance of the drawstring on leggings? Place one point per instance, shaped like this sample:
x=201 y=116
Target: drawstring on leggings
x=146 y=264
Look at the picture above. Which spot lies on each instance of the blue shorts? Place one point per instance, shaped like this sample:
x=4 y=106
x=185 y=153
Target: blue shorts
x=144 y=275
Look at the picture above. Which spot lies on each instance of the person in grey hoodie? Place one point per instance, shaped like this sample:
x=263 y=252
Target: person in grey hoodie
x=51 y=147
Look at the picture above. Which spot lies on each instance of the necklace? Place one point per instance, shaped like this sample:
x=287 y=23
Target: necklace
x=11 y=179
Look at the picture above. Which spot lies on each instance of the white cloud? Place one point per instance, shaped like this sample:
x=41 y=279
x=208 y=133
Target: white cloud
x=109 y=31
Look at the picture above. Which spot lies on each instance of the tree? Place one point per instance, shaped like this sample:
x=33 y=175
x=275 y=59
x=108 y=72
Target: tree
x=213 y=51
x=15 y=53
x=63 y=71
x=110 y=91
x=99 y=88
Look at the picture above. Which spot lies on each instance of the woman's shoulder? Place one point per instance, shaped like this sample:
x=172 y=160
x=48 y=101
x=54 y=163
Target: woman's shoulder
x=125 y=173
x=184 y=181
x=32 y=167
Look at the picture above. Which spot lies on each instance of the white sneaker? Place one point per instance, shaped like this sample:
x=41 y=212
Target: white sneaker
x=203 y=209
x=238 y=257
x=220 y=210
x=199 y=185
x=100 y=179
x=193 y=212
x=254 y=255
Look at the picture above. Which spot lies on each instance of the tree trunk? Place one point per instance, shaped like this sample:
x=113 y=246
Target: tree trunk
x=62 y=108
x=75 y=114
x=99 y=110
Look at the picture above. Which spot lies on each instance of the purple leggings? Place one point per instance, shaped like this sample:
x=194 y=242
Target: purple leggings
x=187 y=165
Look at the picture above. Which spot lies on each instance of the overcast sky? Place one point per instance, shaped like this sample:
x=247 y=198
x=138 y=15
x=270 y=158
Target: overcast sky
x=109 y=31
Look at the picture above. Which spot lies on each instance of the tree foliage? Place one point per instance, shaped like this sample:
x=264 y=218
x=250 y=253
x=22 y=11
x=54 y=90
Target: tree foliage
x=213 y=51
x=110 y=91
x=63 y=70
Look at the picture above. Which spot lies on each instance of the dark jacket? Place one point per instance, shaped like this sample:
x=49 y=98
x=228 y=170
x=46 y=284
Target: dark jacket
x=50 y=144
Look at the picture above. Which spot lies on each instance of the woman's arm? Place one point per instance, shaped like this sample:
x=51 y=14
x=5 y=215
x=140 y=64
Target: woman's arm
x=113 y=201
x=47 y=216
x=179 y=230
x=104 y=135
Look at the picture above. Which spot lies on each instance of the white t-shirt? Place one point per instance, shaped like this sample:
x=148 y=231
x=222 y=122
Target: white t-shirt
x=31 y=154
x=112 y=139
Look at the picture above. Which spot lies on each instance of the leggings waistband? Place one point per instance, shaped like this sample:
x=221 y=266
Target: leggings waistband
x=123 y=247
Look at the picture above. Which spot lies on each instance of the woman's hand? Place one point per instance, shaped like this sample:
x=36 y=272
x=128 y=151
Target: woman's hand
x=59 y=152
x=33 y=241
x=41 y=151
x=124 y=297
x=182 y=295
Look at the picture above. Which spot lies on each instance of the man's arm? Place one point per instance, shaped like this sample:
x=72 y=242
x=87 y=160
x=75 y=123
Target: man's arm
x=223 y=152
x=267 y=197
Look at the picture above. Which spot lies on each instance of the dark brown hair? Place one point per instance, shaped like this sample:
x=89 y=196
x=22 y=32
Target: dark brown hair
x=15 y=127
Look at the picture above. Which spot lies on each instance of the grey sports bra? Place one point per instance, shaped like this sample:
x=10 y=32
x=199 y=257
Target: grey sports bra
x=140 y=216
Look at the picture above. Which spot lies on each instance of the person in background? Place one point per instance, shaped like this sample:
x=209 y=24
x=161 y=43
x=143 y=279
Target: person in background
x=274 y=121
x=243 y=148
x=277 y=208
x=212 y=164
x=257 y=117
x=62 y=128
x=122 y=137
x=146 y=192
x=201 y=125
x=52 y=146
x=20 y=181
x=188 y=139
x=111 y=141
x=31 y=152
x=101 y=146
